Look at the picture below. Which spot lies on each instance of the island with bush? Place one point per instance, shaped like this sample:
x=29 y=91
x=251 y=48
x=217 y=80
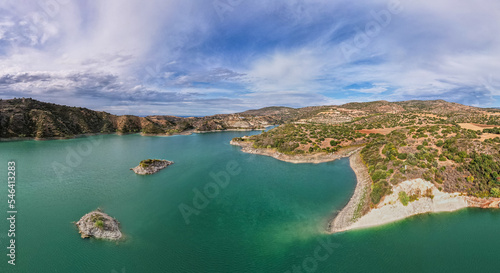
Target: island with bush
x=99 y=225
x=151 y=166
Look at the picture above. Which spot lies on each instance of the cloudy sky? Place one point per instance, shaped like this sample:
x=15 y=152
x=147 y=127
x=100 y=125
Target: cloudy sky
x=204 y=57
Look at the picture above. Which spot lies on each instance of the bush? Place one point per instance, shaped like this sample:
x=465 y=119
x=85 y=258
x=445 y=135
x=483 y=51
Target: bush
x=495 y=192
x=428 y=193
x=397 y=178
x=379 y=190
x=99 y=224
x=378 y=175
x=412 y=160
x=403 y=197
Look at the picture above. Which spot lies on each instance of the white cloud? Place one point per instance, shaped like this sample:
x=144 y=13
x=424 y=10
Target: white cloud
x=262 y=53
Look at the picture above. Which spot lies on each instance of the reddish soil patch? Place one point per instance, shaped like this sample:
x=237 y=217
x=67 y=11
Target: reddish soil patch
x=485 y=136
x=384 y=131
x=480 y=127
x=475 y=126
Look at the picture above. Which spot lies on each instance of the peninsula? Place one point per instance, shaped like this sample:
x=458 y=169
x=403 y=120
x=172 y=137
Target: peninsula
x=99 y=225
x=409 y=157
x=151 y=166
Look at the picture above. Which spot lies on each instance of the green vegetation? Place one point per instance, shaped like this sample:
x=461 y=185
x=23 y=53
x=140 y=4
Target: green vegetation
x=473 y=173
x=492 y=130
x=379 y=190
x=495 y=192
x=146 y=163
x=359 y=208
x=152 y=129
x=99 y=224
x=98 y=220
x=485 y=170
x=403 y=197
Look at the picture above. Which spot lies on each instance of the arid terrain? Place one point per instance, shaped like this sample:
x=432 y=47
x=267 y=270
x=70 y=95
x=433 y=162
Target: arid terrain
x=455 y=148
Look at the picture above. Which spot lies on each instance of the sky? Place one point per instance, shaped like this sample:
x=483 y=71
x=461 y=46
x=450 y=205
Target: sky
x=223 y=56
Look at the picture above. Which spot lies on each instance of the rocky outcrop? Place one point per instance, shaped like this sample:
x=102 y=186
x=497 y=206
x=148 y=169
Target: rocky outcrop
x=99 y=225
x=29 y=118
x=484 y=203
x=151 y=166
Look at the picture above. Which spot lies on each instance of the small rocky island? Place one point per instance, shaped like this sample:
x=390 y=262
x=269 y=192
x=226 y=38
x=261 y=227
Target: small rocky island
x=151 y=166
x=99 y=225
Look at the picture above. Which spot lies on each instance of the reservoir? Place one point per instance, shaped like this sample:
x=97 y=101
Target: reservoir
x=215 y=210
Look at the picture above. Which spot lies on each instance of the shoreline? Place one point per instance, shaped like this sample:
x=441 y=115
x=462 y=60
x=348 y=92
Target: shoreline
x=184 y=133
x=247 y=147
x=358 y=203
x=9 y=139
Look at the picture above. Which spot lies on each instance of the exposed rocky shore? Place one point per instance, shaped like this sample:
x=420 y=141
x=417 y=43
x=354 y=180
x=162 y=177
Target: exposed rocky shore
x=151 y=166
x=247 y=147
x=358 y=203
x=99 y=225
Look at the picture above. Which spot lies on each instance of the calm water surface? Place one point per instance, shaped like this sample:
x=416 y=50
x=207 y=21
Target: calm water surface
x=271 y=216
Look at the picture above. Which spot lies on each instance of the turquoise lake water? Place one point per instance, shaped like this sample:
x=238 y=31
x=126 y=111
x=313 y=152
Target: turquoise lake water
x=270 y=216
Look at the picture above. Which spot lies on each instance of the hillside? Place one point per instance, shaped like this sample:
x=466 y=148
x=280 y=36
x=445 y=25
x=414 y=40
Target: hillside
x=453 y=146
x=21 y=118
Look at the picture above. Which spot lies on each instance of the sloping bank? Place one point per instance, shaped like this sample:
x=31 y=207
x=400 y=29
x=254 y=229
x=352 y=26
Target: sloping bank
x=391 y=209
x=359 y=200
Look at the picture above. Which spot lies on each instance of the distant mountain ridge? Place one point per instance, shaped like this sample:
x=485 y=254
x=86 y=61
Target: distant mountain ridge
x=27 y=117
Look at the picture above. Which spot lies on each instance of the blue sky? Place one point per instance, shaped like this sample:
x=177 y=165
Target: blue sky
x=205 y=57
